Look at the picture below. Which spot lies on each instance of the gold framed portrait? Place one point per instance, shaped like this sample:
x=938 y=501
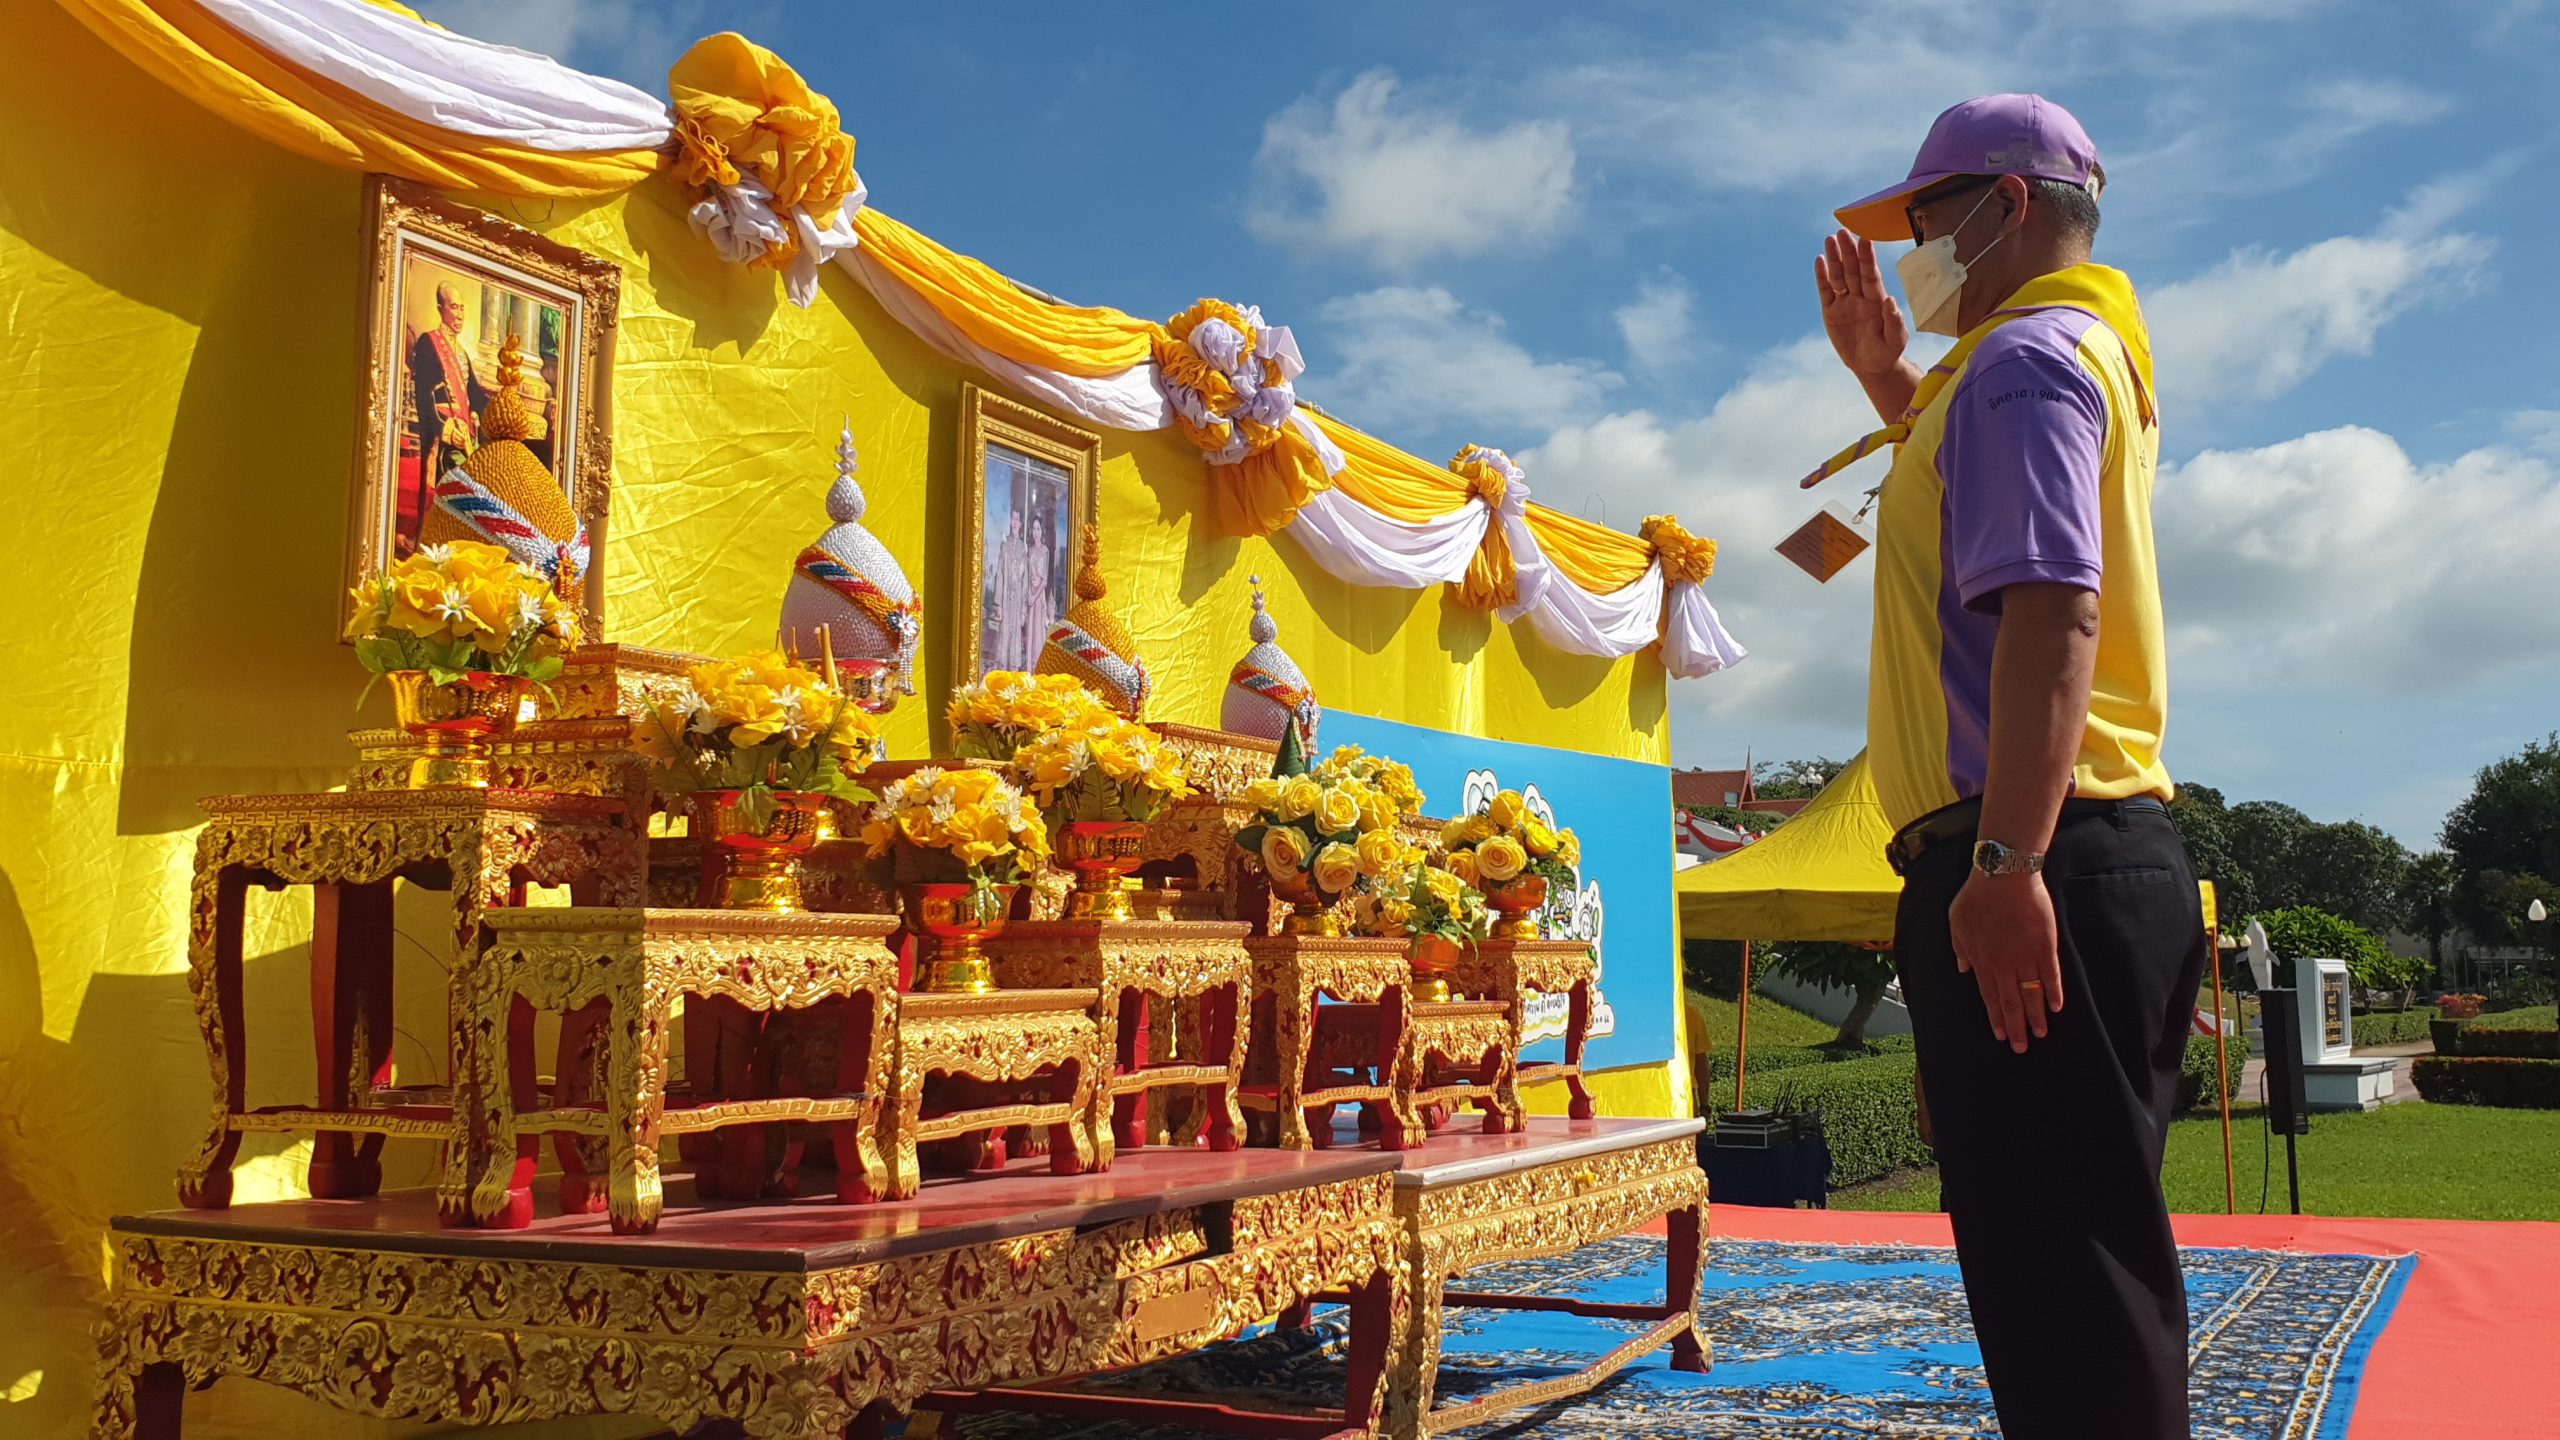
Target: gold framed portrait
x=461 y=306
x=1028 y=482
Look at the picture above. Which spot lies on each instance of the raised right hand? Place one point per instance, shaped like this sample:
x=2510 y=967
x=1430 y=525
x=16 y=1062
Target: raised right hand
x=1865 y=325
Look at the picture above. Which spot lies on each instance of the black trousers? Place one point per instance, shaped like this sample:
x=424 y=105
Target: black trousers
x=2049 y=1162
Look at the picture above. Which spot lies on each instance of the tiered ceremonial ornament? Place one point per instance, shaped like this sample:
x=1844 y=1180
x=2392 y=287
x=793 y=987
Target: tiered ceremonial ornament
x=501 y=494
x=764 y=746
x=1091 y=644
x=849 y=596
x=1267 y=690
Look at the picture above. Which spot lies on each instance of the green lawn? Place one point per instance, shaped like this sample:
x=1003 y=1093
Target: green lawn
x=2442 y=1162
x=2531 y=1017
x=1771 y=1023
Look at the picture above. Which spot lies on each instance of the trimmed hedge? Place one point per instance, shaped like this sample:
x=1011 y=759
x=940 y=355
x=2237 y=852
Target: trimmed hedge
x=2393 y=1027
x=2197 y=1072
x=2510 y=1083
x=2479 y=1042
x=1868 y=1116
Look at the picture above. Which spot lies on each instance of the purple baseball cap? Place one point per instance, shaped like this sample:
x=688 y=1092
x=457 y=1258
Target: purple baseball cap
x=1994 y=135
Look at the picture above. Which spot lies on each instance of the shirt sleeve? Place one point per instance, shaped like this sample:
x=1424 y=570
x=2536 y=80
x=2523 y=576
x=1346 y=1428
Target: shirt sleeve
x=2021 y=458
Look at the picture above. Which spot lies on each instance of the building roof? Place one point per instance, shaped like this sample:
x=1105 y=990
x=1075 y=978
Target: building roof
x=1698 y=788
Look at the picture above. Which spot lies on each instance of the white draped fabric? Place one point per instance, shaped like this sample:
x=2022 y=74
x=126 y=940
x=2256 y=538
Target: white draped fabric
x=496 y=92
x=451 y=81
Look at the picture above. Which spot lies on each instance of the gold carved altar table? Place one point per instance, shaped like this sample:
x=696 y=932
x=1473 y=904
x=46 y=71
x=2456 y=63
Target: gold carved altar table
x=1291 y=974
x=1191 y=978
x=616 y=977
x=790 y=1321
x=485 y=846
x=1516 y=971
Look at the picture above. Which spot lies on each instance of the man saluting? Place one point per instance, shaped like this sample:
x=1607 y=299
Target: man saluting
x=2050 y=937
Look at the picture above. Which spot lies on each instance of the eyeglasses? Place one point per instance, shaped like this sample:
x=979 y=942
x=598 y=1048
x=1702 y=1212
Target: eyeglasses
x=1911 y=212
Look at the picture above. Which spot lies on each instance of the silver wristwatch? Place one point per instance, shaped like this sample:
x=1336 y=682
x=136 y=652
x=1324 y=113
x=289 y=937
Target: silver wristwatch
x=1993 y=858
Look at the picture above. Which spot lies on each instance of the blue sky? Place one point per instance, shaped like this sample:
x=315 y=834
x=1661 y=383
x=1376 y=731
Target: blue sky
x=1583 y=234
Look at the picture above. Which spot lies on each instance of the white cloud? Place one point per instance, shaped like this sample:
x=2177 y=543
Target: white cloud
x=2335 y=557
x=2536 y=430
x=2254 y=326
x=1415 y=356
x=1731 y=474
x=1403 y=183
x=1657 y=326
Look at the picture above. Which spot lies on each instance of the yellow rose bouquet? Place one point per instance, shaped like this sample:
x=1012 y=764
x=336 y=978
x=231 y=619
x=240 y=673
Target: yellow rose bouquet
x=458 y=610
x=1383 y=783
x=761 y=726
x=959 y=826
x=1504 y=841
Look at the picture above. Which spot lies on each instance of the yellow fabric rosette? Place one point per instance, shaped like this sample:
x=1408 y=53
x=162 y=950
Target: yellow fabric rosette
x=1684 y=556
x=740 y=107
x=1493 y=579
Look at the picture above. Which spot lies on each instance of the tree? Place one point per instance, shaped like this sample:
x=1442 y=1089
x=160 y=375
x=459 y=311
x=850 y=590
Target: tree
x=1794 y=779
x=2350 y=869
x=1827 y=965
x=1734 y=817
x=2204 y=822
x=2261 y=834
x=2505 y=840
x=2426 y=900
x=2307 y=932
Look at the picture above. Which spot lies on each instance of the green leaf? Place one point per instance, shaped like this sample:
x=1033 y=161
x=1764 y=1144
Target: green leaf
x=544 y=670
x=756 y=805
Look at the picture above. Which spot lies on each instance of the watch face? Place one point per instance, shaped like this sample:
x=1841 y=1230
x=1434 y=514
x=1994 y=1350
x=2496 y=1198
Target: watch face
x=1990 y=857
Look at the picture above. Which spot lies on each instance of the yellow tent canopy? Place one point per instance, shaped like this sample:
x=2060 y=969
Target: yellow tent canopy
x=1820 y=876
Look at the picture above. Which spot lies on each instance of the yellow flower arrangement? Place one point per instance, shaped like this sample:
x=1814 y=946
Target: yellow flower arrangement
x=958 y=826
x=994 y=717
x=1506 y=840
x=1077 y=758
x=1336 y=823
x=760 y=725
x=1421 y=898
x=452 y=610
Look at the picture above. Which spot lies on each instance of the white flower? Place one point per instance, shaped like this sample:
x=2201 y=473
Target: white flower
x=435 y=554
x=453 y=607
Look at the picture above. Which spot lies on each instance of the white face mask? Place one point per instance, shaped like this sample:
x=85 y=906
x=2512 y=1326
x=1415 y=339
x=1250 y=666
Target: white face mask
x=1932 y=277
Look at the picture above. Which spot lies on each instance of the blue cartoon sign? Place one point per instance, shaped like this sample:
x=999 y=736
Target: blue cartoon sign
x=1621 y=901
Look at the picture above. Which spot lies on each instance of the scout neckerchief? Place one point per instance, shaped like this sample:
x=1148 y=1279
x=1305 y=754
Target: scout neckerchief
x=2099 y=290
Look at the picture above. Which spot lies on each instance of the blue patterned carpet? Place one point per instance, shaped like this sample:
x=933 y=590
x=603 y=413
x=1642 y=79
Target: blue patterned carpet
x=1818 y=1342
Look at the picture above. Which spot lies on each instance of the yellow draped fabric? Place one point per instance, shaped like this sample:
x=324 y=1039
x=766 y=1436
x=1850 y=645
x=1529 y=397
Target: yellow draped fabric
x=1595 y=557
x=1389 y=481
x=981 y=303
x=178 y=44
x=1685 y=557
x=739 y=104
x=1492 y=580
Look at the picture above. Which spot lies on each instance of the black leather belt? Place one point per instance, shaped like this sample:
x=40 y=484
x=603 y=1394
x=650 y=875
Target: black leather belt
x=1963 y=819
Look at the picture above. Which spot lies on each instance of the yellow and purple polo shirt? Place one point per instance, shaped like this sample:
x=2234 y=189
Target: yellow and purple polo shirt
x=2033 y=463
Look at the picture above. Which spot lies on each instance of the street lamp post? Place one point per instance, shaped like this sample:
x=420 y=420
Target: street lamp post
x=2540 y=914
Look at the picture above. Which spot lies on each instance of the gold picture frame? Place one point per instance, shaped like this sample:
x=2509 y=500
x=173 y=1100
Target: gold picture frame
x=449 y=284
x=1017 y=464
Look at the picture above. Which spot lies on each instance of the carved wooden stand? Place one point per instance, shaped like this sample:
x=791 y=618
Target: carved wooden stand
x=1191 y=978
x=615 y=975
x=1048 y=1040
x=1514 y=970
x=1290 y=972
x=1455 y=1053
x=484 y=846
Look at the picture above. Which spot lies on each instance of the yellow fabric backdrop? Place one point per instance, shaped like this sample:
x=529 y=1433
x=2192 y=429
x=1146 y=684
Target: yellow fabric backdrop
x=179 y=370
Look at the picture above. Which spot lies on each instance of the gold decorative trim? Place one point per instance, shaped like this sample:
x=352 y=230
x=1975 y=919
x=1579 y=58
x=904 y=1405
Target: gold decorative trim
x=491 y=1339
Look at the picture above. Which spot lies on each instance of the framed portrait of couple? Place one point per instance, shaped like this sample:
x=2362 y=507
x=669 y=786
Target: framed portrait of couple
x=1028 y=482
x=457 y=302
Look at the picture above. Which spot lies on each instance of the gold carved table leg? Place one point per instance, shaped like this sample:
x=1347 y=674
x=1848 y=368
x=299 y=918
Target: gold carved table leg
x=216 y=907
x=866 y=1049
x=635 y=1096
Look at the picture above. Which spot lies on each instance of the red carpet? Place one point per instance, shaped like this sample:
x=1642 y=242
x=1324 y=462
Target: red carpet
x=2472 y=1352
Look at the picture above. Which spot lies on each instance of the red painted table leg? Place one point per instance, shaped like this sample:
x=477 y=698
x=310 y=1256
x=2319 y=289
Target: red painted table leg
x=1577 y=1029
x=350 y=1027
x=1684 y=1256
x=582 y=1186
x=1129 y=1112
